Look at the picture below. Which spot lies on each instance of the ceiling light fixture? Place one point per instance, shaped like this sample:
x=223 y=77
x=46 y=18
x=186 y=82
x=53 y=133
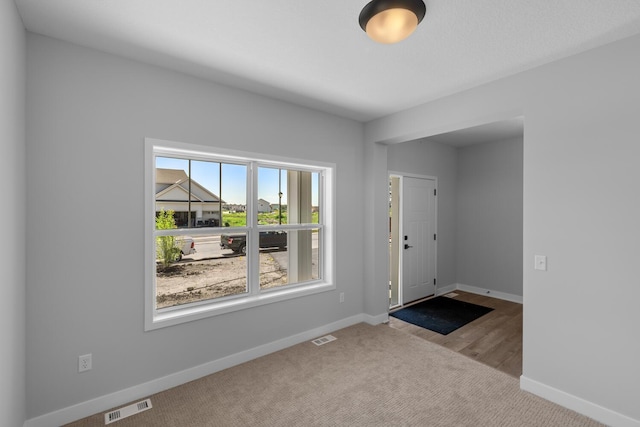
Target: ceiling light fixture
x=390 y=21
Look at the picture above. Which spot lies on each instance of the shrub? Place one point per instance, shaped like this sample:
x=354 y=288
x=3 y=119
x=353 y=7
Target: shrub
x=167 y=250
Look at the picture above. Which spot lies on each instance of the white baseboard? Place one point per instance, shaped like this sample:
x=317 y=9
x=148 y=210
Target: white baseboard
x=376 y=320
x=584 y=407
x=104 y=403
x=490 y=293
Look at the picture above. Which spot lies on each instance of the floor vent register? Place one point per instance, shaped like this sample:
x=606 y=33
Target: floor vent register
x=323 y=340
x=127 y=411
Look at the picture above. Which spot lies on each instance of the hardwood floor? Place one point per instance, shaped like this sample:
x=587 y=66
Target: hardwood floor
x=494 y=339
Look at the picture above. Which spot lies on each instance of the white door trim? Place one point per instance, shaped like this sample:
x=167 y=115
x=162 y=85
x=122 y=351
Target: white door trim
x=403 y=175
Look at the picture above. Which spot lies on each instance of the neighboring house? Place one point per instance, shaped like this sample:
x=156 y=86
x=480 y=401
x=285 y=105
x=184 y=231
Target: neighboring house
x=172 y=193
x=275 y=207
x=264 y=206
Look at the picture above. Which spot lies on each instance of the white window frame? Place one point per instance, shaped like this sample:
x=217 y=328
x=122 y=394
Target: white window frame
x=154 y=318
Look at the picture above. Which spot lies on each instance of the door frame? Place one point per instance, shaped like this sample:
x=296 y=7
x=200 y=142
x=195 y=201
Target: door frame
x=403 y=175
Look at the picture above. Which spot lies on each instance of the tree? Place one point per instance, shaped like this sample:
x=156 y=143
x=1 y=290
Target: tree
x=167 y=248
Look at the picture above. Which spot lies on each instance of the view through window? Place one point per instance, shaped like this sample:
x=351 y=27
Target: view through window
x=221 y=234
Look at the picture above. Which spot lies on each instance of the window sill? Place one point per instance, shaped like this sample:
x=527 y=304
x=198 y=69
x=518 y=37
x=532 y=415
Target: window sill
x=176 y=316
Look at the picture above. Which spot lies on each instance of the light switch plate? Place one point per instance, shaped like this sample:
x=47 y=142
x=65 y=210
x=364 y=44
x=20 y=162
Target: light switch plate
x=541 y=262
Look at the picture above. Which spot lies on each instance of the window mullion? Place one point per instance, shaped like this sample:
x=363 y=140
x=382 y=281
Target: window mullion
x=253 y=252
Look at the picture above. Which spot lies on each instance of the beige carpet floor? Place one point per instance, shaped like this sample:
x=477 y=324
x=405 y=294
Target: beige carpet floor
x=369 y=376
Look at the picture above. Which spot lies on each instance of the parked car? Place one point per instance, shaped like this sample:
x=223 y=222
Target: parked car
x=187 y=246
x=207 y=223
x=268 y=239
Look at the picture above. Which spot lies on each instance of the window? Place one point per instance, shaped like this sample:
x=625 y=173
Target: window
x=227 y=231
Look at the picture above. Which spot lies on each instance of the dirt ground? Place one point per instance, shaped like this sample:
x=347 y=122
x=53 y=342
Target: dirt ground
x=186 y=282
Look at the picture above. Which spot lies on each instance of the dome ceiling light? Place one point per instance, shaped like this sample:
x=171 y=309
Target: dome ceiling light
x=390 y=21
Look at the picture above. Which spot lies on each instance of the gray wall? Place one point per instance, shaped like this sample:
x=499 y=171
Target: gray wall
x=580 y=209
x=12 y=249
x=489 y=216
x=88 y=113
x=433 y=159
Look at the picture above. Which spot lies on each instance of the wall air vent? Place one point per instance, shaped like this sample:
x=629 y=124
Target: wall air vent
x=127 y=411
x=323 y=340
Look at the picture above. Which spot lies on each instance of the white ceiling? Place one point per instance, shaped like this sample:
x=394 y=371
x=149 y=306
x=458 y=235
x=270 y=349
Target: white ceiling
x=314 y=53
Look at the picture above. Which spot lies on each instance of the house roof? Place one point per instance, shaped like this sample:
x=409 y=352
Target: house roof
x=176 y=182
x=170 y=176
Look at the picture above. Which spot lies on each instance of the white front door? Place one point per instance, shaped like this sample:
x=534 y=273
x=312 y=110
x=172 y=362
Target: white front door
x=418 y=238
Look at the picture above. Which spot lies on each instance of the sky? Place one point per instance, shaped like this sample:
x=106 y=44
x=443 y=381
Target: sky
x=234 y=177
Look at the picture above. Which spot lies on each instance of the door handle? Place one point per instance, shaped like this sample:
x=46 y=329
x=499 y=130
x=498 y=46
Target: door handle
x=407 y=246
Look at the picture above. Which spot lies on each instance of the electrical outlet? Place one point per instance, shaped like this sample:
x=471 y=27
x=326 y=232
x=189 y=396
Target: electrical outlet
x=84 y=362
x=341 y=296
